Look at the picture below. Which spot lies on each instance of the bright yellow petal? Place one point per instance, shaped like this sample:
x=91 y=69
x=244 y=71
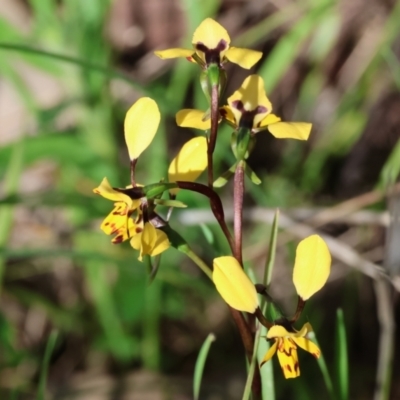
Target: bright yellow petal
x=271 y=351
x=174 y=53
x=306 y=328
x=290 y=130
x=117 y=218
x=288 y=358
x=124 y=232
x=190 y=162
x=136 y=241
x=246 y=58
x=141 y=124
x=210 y=33
x=161 y=244
x=307 y=345
x=277 y=331
x=252 y=95
x=312 y=266
x=105 y=190
x=234 y=285
x=269 y=119
x=189 y=118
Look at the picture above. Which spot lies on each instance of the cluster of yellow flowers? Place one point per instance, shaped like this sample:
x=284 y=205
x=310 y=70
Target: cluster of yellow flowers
x=249 y=112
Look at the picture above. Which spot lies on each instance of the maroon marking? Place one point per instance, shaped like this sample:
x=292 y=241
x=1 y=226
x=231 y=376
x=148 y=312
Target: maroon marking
x=117 y=239
x=213 y=55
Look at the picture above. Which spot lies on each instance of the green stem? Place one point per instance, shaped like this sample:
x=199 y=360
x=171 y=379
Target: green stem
x=198 y=261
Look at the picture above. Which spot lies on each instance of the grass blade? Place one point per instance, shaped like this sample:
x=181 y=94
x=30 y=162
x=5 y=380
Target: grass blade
x=72 y=60
x=200 y=362
x=342 y=364
x=324 y=369
x=51 y=343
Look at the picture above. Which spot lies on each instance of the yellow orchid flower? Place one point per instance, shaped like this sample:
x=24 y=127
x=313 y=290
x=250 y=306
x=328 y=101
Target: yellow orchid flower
x=140 y=126
x=286 y=344
x=312 y=266
x=211 y=45
x=119 y=222
x=151 y=241
x=249 y=107
x=190 y=162
x=234 y=285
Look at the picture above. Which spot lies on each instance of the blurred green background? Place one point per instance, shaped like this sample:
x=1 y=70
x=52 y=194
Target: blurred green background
x=69 y=70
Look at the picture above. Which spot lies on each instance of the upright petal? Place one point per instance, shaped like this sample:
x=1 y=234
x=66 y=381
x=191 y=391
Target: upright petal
x=189 y=118
x=312 y=266
x=251 y=96
x=210 y=33
x=174 y=53
x=288 y=358
x=190 y=162
x=141 y=124
x=245 y=58
x=290 y=130
x=234 y=285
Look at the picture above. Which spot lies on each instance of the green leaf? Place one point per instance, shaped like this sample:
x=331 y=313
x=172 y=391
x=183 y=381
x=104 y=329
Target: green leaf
x=324 y=369
x=200 y=362
x=391 y=169
x=224 y=178
x=51 y=344
x=252 y=175
x=342 y=362
x=170 y=203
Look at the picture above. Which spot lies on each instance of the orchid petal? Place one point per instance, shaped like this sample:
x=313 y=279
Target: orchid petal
x=141 y=124
x=210 y=33
x=269 y=119
x=288 y=358
x=270 y=353
x=252 y=95
x=245 y=58
x=189 y=118
x=234 y=285
x=174 y=53
x=290 y=130
x=277 y=331
x=190 y=162
x=312 y=266
x=105 y=190
x=307 y=345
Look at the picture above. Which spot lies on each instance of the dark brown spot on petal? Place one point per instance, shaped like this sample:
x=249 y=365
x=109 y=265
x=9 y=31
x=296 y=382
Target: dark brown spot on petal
x=138 y=229
x=117 y=239
x=296 y=366
x=247 y=118
x=288 y=367
x=213 y=56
